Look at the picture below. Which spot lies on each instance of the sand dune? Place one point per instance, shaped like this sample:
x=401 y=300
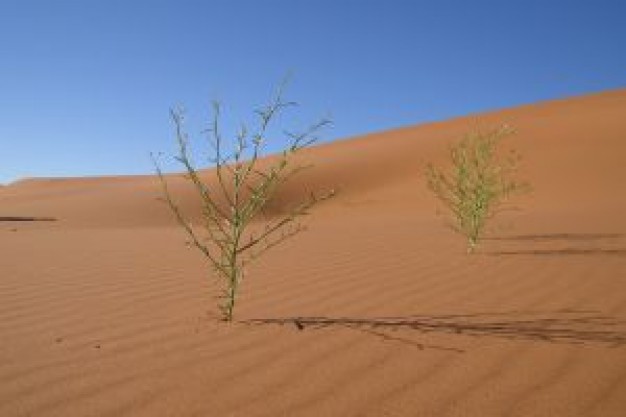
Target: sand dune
x=105 y=312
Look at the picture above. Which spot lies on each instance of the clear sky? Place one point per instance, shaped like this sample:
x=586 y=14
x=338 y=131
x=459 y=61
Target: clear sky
x=86 y=85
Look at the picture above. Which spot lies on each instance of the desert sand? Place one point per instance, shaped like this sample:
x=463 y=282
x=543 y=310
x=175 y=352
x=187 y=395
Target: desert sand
x=106 y=311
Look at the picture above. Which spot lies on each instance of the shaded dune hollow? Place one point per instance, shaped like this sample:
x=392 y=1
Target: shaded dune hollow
x=374 y=310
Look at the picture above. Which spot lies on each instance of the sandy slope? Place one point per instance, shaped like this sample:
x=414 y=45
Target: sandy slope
x=105 y=312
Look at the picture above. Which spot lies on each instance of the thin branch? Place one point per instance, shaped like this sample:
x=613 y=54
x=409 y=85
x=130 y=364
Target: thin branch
x=181 y=220
x=298 y=211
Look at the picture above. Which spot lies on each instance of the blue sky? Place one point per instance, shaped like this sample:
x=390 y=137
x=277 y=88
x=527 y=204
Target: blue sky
x=86 y=85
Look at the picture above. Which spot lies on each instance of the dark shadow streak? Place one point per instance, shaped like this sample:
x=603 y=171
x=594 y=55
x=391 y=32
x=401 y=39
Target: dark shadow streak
x=559 y=236
x=26 y=219
x=566 y=251
x=564 y=326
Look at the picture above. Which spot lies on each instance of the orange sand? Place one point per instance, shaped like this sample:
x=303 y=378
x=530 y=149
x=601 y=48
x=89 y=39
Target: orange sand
x=105 y=312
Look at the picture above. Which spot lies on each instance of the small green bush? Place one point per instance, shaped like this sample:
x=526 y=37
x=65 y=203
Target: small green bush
x=232 y=237
x=478 y=184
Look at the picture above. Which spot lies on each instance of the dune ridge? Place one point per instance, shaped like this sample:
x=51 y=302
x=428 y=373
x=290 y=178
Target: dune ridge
x=376 y=310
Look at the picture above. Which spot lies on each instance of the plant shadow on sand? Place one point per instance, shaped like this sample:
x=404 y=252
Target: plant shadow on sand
x=594 y=239
x=562 y=326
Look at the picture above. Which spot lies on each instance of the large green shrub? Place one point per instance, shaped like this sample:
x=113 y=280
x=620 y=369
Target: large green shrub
x=230 y=237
